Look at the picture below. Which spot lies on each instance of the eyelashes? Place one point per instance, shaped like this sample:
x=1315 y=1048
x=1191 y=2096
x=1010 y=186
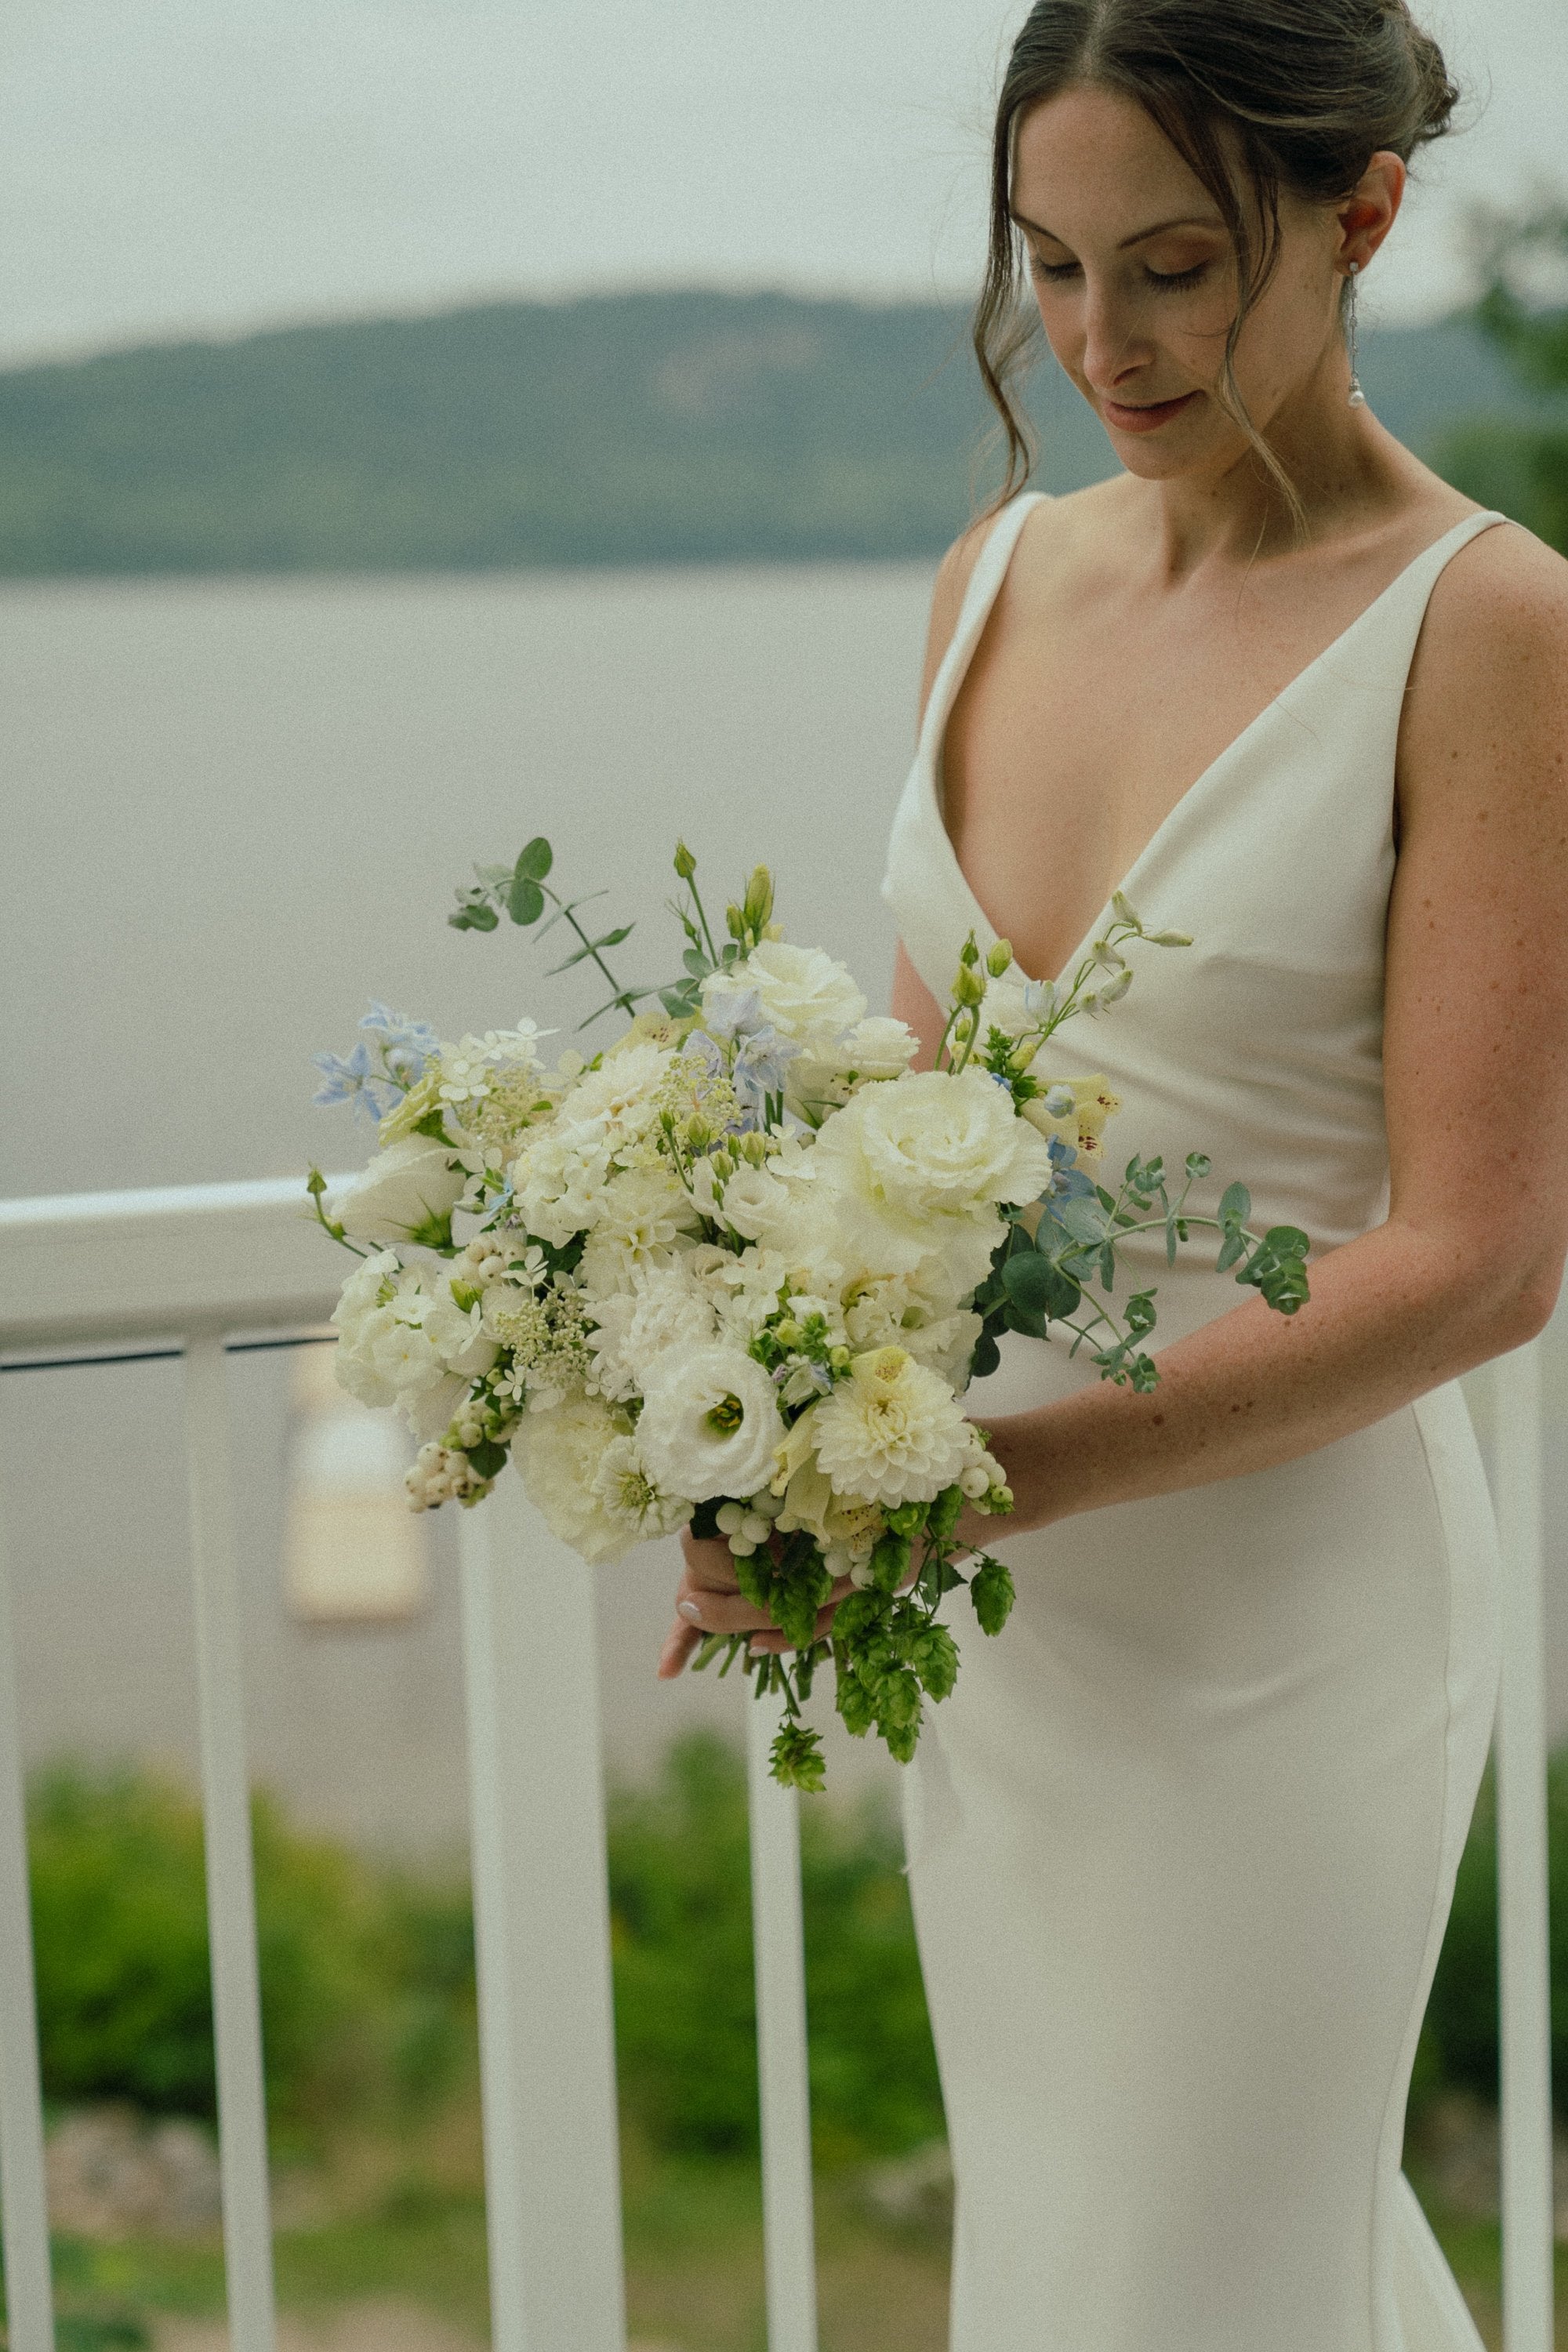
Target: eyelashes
x=1170 y=281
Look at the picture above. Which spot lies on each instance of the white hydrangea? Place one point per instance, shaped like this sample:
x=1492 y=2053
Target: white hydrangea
x=562 y=1178
x=711 y=1424
x=558 y=1454
x=892 y=1432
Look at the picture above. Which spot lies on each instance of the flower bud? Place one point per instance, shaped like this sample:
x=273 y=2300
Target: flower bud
x=1059 y=1102
x=969 y=953
x=1124 y=910
x=999 y=959
x=758 y=900
x=1169 y=938
x=1021 y=1056
x=699 y=1134
x=1109 y=959
x=723 y=1167
x=685 y=864
x=1117 y=988
x=968 y=988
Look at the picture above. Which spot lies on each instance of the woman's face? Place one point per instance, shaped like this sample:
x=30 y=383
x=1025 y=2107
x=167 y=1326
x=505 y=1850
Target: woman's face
x=1136 y=284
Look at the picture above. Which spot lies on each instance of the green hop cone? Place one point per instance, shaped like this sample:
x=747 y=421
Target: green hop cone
x=991 y=1590
x=796 y=1759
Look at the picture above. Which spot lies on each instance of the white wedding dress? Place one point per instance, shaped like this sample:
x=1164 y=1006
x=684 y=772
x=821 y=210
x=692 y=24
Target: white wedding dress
x=1182 y=1841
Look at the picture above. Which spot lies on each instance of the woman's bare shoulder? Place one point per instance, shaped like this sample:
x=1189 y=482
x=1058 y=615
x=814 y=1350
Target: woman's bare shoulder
x=1052 y=529
x=1489 y=685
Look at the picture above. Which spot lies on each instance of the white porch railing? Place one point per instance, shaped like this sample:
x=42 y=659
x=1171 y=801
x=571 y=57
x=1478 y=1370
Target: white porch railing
x=183 y=1272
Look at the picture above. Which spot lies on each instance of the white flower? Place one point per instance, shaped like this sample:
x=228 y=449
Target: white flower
x=457 y=1333
x=917 y=1312
x=629 y=1496
x=805 y=995
x=643 y=1217
x=893 y=1432
x=663 y=1309
x=558 y=1455
x=409 y=1189
x=710 y=1423
x=879 y=1048
x=750 y=1202
x=915 y=1160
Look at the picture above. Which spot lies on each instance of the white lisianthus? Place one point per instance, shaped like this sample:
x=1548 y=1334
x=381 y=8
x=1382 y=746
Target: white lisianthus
x=915 y=1160
x=892 y=1432
x=407 y=1192
x=711 y=1424
x=663 y=1310
x=558 y=1455
x=804 y=995
x=879 y=1048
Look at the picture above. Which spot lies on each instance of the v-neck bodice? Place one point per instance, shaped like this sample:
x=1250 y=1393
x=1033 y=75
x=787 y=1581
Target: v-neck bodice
x=1261 y=1043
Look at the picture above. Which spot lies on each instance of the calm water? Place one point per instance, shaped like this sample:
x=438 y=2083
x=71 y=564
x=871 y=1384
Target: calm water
x=234 y=811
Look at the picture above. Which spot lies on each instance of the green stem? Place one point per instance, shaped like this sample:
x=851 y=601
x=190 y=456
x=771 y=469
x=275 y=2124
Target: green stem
x=627 y=1002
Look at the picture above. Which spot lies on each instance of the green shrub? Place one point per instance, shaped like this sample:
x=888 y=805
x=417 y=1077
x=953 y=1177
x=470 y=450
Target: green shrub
x=120 y=1929
x=1459 y=2040
x=685 y=2008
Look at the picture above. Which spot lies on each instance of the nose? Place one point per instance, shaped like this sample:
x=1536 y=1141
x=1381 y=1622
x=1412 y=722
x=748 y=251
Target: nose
x=1116 y=347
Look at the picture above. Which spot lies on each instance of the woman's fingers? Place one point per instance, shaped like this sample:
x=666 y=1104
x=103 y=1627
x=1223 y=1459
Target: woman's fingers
x=680 y=1644
x=710 y=1563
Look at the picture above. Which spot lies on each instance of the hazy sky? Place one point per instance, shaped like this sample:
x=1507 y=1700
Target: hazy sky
x=169 y=166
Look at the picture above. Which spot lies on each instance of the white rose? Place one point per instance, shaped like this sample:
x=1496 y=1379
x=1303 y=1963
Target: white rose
x=709 y=1424
x=407 y=1192
x=893 y=1432
x=915 y=1159
x=804 y=993
x=558 y=1454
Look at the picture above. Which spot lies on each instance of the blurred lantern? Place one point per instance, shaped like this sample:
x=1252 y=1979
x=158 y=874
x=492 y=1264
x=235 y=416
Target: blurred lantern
x=354 y=1552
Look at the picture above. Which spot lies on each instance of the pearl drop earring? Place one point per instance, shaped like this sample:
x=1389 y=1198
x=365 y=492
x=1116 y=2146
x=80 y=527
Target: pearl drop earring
x=1357 y=397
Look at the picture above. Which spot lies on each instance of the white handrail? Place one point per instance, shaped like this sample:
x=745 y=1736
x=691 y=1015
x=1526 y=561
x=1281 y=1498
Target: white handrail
x=1523 y=1968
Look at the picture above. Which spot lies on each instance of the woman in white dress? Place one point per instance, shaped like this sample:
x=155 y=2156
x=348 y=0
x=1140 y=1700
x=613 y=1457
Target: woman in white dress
x=1182 y=1842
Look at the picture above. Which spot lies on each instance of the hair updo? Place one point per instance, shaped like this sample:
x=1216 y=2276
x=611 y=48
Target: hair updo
x=1308 y=89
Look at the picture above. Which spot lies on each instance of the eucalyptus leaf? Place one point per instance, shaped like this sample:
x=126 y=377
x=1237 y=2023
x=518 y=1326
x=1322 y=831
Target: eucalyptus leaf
x=526 y=902
x=535 y=861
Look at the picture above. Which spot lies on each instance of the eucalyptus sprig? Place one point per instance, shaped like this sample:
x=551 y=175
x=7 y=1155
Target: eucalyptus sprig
x=521 y=892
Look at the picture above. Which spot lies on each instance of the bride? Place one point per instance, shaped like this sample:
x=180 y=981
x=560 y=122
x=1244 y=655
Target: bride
x=1183 y=1844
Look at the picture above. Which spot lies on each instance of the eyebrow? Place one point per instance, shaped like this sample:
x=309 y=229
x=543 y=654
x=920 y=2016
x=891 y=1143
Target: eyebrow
x=1185 y=220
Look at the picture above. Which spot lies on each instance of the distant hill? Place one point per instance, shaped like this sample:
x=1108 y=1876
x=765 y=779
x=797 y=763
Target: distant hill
x=638 y=428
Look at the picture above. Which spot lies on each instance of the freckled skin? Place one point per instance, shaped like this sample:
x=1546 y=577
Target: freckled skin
x=1186 y=577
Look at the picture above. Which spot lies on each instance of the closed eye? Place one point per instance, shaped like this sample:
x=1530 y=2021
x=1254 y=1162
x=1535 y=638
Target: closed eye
x=1165 y=280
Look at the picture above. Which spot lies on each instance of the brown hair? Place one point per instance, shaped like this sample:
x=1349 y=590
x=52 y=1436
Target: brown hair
x=1311 y=90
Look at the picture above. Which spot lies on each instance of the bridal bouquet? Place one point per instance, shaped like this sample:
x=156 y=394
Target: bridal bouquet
x=738 y=1268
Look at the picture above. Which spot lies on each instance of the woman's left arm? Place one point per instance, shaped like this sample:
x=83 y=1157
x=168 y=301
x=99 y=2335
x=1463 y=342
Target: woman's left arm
x=1468 y=1261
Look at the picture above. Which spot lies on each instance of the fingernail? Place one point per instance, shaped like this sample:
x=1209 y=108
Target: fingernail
x=689 y=1608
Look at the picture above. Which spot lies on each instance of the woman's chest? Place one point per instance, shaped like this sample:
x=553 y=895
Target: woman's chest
x=1079 y=730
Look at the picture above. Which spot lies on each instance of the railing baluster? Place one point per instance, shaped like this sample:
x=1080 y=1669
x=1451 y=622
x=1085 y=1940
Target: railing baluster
x=790 y=2248
x=231 y=1895
x=541 y=1923
x=1522 y=1925
x=24 y=2204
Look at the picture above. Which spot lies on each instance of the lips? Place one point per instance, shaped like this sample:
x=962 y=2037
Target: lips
x=1146 y=419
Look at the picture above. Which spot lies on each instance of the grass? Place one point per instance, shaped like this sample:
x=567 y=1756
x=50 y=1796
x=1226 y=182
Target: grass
x=694 y=2254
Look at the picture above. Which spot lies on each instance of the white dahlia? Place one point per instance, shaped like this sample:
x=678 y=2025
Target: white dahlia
x=892 y=1432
